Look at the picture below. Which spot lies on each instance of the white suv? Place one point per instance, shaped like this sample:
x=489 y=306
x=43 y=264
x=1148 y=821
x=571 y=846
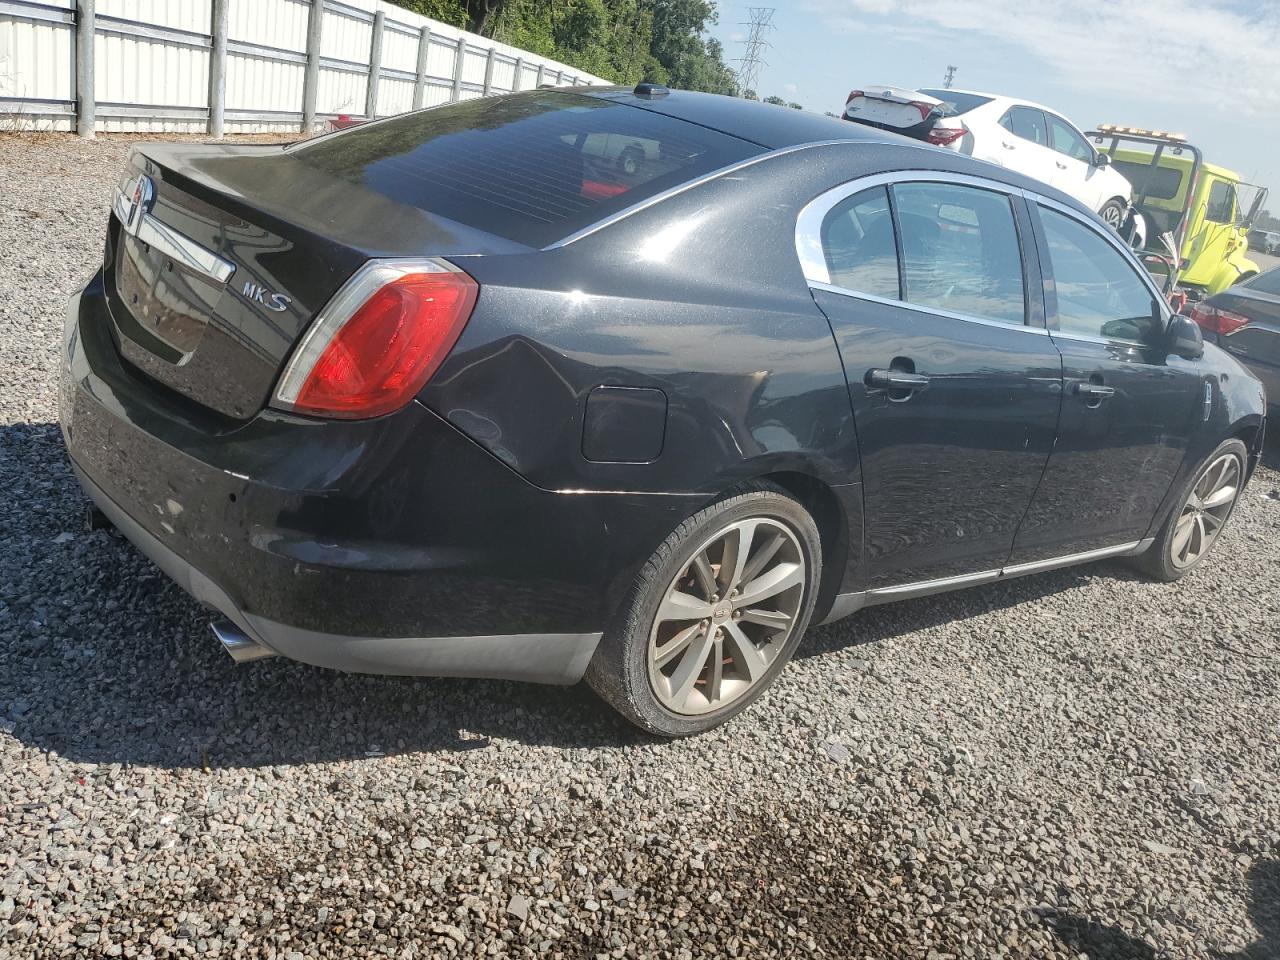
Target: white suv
x=1017 y=134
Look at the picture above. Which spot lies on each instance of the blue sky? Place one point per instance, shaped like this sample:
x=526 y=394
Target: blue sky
x=1208 y=68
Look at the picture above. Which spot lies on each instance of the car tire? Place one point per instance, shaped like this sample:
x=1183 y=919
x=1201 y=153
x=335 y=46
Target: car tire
x=1113 y=214
x=657 y=664
x=1180 y=546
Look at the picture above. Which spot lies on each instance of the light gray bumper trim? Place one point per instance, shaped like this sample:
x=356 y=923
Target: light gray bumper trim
x=559 y=658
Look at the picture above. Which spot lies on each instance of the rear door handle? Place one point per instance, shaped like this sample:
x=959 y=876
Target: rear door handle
x=1007 y=146
x=1093 y=393
x=895 y=380
x=1061 y=166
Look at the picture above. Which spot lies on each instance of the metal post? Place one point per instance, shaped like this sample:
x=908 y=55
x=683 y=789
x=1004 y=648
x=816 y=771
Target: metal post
x=420 y=84
x=488 y=73
x=375 y=66
x=459 y=62
x=86 y=105
x=218 y=69
x=311 y=79
x=519 y=75
x=542 y=69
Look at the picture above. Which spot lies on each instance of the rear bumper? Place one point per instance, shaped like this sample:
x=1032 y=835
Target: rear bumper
x=395 y=545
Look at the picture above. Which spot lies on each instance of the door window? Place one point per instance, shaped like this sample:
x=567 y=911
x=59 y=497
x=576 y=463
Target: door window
x=960 y=251
x=858 y=244
x=1222 y=203
x=1268 y=282
x=1064 y=139
x=1099 y=292
x=1028 y=124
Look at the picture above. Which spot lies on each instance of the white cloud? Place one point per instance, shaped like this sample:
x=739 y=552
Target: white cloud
x=790 y=88
x=1193 y=52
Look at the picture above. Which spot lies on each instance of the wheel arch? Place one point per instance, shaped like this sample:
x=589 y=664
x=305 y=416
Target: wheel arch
x=833 y=514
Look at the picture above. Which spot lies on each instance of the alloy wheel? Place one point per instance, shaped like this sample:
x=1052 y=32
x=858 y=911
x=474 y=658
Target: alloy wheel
x=1205 y=511
x=1111 y=216
x=726 y=616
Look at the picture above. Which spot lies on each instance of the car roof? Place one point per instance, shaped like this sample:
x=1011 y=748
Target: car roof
x=764 y=124
x=775 y=127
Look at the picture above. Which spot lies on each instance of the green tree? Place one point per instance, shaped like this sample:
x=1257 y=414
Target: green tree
x=776 y=101
x=795 y=106
x=622 y=40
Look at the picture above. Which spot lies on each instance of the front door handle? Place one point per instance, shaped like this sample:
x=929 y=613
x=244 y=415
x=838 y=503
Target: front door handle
x=1093 y=393
x=895 y=380
x=1007 y=146
x=1061 y=166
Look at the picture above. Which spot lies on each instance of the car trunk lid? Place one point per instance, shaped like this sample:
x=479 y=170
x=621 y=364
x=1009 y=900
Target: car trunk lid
x=219 y=258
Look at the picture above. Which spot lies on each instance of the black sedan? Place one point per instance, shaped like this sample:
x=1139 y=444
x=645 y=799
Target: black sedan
x=1245 y=321
x=626 y=384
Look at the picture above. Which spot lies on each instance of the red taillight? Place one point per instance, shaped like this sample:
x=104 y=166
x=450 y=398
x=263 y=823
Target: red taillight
x=945 y=136
x=1216 y=320
x=924 y=108
x=853 y=95
x=377 y=343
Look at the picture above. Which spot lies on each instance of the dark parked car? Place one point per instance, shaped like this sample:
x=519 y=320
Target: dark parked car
x=1245 y=321
x=454 y=393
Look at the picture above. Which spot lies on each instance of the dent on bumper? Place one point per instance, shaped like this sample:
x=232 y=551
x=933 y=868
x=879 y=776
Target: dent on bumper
x=559 y=658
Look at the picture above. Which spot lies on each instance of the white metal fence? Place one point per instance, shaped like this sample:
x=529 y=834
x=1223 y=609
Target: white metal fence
x=241 y=66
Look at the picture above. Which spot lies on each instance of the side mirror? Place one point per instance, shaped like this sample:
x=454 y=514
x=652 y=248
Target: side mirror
x=1183 y=339
x=1101 y=160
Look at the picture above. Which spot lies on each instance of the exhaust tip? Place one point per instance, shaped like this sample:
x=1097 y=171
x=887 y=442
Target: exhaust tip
x=241 y=647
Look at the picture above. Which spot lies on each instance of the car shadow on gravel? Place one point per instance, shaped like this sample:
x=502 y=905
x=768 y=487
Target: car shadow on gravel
x=1097 y=941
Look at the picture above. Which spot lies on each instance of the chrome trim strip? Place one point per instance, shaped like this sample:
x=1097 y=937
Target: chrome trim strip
x=847 y=603
x=922 y=587
x=1054 y=563
x=170 y=242
x=931 y=311
x=689 y=185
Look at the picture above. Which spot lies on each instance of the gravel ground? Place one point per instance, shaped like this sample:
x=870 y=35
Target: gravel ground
x=1078 y=764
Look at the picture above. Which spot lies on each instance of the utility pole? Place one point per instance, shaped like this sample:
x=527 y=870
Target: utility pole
x=951 y=75
x=761 y=22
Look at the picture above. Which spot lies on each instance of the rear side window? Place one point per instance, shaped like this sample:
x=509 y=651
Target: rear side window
x=1268 y=282
x=532 y=167
x=1099 y=293
x=1159 y=183
x=858 y=243
x=960 y=251
x=1029 y=125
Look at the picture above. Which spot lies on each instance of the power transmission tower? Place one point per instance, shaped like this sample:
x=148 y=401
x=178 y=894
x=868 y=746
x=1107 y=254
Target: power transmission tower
x=761 y=22
x=951 y=75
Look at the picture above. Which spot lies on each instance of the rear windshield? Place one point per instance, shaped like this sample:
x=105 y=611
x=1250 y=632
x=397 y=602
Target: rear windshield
x=1159 y=183
x=954 y=103
x=532 y=167
x=1268 y=282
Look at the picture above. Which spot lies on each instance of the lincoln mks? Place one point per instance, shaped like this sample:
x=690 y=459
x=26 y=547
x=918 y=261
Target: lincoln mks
x=630 y=385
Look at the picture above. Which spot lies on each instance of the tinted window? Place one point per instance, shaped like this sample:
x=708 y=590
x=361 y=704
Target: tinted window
x=1066 y=140
x=1268 y=282
x=955 y=103
x=532 y=168
x=960 y=250
x=1029 y=125
x=1222 y=203
x=1160 y=183
x=1099 y=293
x=857 y=241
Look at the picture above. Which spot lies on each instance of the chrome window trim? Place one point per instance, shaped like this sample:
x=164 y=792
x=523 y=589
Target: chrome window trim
x=680 y=188
x=813 y=261
x=930 y=311
x=1115 y=241
x=170 y=242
